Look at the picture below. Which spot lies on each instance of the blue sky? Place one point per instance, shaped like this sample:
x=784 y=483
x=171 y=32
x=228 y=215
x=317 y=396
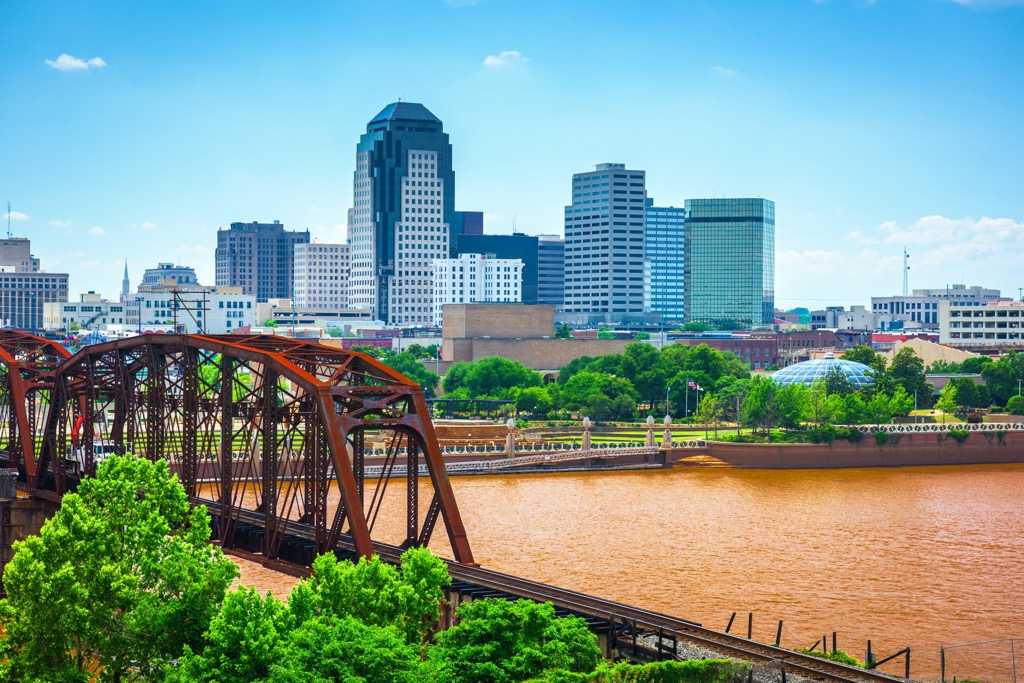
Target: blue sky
x=870 y=124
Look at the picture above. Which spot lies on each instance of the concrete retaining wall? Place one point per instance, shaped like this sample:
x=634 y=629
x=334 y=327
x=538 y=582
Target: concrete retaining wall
x=901 y=450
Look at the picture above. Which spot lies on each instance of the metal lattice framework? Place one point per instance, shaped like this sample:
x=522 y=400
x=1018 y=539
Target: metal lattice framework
x=269 y=433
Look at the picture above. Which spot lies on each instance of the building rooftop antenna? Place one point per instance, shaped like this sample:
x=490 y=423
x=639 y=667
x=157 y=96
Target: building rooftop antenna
x=8 y=219
x=906 y=269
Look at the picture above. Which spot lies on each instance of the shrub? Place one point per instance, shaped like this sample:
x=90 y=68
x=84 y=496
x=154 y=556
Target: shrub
x=959 y=434
x=974 y=418
x=1015 y=405
x=854 y=435
x=881 y=437
x=834 y=656
x=1001 y=435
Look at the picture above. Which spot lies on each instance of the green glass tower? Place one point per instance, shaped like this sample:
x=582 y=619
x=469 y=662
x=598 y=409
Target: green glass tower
x=730 y=262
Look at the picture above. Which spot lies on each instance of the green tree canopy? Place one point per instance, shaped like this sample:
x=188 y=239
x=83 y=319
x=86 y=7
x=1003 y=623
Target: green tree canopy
x=497 y=641
x=907 y=371
x=117 y=583
x=535 y=400
x=601 y=396
x=563 y=332
x=407 y=364
x=1003 y=376
x=496 y=377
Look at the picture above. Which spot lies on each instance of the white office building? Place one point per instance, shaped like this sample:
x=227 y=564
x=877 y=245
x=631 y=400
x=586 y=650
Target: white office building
x=920 y=310
x=321 y=275
x=992 y=324
x=90 y=312
x=203 y=310
x=476 y=278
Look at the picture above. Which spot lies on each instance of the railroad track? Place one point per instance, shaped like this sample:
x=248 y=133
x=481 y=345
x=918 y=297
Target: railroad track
x=626 y=625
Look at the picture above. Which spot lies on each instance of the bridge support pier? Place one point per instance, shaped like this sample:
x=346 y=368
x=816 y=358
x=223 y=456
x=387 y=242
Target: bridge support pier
x=21 y=518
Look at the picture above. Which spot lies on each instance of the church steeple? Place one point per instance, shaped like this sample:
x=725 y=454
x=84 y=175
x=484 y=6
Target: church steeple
x=126 y=287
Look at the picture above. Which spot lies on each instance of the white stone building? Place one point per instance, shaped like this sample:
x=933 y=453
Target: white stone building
x=476 y=278
x=321 y=275
x=90 y=312
x=992 y=324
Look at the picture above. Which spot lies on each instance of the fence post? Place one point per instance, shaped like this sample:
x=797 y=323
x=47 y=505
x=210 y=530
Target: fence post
x=778 y=634
x=729 y=625
x=908 y=662
x=750 y=626
x=833 y=641
x=942 y=664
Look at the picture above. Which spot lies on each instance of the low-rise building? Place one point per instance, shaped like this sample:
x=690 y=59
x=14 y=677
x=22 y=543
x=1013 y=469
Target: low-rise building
x=90 y=312
x=920 y=310
x=192 y=309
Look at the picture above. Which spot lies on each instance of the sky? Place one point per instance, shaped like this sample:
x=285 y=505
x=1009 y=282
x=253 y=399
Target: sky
x=132 y=131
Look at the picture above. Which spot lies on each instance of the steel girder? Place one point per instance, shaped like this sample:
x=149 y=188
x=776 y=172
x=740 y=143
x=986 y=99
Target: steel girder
x=270 y=433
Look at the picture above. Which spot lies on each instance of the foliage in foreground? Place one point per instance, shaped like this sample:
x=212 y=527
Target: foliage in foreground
x=690 y=671
x=118 y=583
x=834 y=656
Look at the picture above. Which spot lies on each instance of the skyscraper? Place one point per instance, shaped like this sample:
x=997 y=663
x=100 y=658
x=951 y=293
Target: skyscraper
x=403 y=209
x=664 y=240
x=258 y=258
x=604 y=244
x=551 y=270
x=730 y=262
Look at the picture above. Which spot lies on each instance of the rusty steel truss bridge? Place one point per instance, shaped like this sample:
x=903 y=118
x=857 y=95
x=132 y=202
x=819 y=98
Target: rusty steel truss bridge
x=269 y=433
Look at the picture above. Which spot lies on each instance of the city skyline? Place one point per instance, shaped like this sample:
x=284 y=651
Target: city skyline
x=137 y=132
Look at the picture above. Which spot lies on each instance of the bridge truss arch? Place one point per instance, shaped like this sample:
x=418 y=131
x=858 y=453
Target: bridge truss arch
x=271 y=434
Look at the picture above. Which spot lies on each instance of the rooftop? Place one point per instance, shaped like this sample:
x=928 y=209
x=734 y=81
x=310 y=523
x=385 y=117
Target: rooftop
x=404 y=111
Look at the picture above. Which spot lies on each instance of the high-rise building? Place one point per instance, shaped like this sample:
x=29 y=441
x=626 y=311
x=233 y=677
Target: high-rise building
x=550 y=270
x=321 y=276
x=730 y=262
x=403 y=209
x=664 y=238
x=258 y=257
x=604 y=244
x=24 y=287
x=465 y=223
x=514 y=246
x=476 y=278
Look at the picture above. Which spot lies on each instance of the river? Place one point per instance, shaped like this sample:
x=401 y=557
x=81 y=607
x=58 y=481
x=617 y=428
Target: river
x=922 y=557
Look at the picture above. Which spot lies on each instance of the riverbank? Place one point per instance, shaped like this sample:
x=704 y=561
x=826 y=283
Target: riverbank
x=894 y=450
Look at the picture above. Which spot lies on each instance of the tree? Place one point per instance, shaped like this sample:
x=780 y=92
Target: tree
x=709 y=413
x=643 y=336
x=535 y=400
x=878 y=409
x=563 y=332
x=498 y=641
x=244 y=642
x=792 y=404
x=907 y=370
x=455 y=378
x=117 y=583
x=417 y=351
x=1015 y=406
x=837 y=383
x=370 y=350
x=759 y=408
x=901 y=402
x=269 y=322
x=600 y=396
x=947 y=400
x=496 y=377
x=695 y=327
x=974 y=365
x=605 y=333
x=1003 y=376
x=967 y=394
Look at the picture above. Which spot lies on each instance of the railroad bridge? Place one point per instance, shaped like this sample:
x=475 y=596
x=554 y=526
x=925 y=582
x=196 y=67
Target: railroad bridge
x=270 y=434
x=266 y=431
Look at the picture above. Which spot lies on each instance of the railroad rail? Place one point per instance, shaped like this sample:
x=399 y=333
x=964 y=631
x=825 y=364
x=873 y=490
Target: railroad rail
x=623 y=625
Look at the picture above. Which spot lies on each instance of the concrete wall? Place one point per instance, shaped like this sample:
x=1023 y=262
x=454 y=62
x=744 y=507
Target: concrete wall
x=539 y=354
x=498 y=321
x=902 y=451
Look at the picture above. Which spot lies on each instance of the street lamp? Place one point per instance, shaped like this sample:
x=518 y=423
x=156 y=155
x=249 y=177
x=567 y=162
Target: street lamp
x=32 y=313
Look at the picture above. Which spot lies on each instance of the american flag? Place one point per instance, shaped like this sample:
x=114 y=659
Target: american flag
x=693 y=385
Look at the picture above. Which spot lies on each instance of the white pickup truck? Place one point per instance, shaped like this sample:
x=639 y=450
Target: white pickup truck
x=101 y=448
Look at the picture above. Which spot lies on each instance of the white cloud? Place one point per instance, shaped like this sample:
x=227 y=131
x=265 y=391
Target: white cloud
x=97 y=230
x=68 y=63
x=16 y=216
x=61 y=224
x=985 y=4
x=723 y=71
x=505 y=58
x=148 y=225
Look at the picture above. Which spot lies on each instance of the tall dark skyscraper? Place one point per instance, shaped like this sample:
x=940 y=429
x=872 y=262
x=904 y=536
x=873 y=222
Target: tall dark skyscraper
x=403 y=210
x=551 y=270
x=258 y=258
x=730 y=261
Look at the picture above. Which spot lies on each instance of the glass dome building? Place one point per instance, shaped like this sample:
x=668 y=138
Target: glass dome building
x=805 y=373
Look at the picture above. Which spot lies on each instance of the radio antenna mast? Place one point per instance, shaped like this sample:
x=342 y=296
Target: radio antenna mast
x=8 y=219
x=906 y=269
